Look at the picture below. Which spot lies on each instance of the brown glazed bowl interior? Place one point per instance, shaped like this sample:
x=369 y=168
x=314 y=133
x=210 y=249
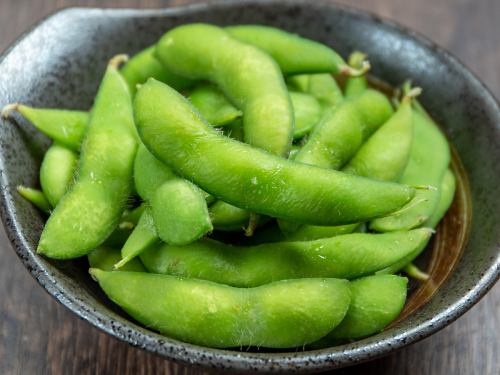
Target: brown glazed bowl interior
x=59 y=63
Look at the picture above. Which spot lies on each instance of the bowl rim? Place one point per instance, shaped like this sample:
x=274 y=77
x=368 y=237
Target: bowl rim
x=178 y=351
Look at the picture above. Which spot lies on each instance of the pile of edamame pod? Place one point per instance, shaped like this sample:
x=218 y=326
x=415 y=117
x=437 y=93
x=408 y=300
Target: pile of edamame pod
x=229 y=190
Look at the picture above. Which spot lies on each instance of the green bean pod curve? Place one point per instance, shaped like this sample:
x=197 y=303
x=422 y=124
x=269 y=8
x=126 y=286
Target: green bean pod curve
x=213 y=105
x=250 y=178
x=67 y=127
x=429 y=159
x=56 y=172
x=144 y=65
x=375 y=302
x=347 y=257
x=35 y=197
x=247 y=76
x=293 y=53
x=284 y=314
x=91 y=210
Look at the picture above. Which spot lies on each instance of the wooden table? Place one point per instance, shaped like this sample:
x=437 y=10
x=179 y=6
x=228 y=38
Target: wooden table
x=39 y=336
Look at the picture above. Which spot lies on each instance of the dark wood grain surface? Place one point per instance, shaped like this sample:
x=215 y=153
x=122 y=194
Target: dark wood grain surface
x=38 y=336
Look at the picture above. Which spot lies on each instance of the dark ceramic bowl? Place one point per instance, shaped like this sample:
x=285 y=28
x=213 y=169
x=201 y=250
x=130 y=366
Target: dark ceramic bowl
x=59 y=64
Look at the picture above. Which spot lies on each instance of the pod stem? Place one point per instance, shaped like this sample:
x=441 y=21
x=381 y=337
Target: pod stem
x=118 y=60
x=349 y=71
x=8 y=109
x=415 y=272
x=122 y=262
x=356 y=59
x=252 y=224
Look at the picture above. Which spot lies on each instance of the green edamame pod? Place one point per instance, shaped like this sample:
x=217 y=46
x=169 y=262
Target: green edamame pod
x=35 y=197
x=90 y=211
x=144 y=65
x=250 y=178
x=343 y=129
x=323 y=87
x=307 y=112
x=63 y=126
x=247 y=76
x=227 y=217
x=178 y=207
x=447 y=190
x=56 y=172
x=429 y=159
x=219 y=316
x=143 y=236
x=347 y=257
x=356 y=85
x=293 y=53
x=385 y=155
x=180 y=212
x=123 y=231
x=213 y=105
x=315 y=232
x=105 y=257
x=375 y=302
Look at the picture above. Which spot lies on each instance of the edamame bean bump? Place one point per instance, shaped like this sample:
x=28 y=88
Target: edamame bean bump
x=307 y=112
x=213 y=105
x=90 y=211
x=447 y=190
x=284 y=314
x=144 y=65
x=250 y=178
x=348 y=256
x=227 y=217
x=293 y=53
x=105 y=257
x=356 y=85
x=385 y=155
x=375 y=302
x=56 y=172
x=343 y=129
x=429 y=159
x=321 y=86
x=66 y=127
x=248 y=77
x=35 y=197
x=178 y=207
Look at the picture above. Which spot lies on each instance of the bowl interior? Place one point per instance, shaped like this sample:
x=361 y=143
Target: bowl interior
x=60 y=63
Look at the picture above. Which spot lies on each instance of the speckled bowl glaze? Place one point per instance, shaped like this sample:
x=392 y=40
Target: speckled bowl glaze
x=59 y=63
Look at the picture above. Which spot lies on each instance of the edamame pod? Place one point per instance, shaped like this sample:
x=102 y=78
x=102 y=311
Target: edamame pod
x=343 y=129
x=247 y=76
x=144 y=65
x=250 y=178
x=56 y=172
x=178 y=207
x=307 y=112
x=35 y=197
x=375 y=302
x=143 y=236
x=128 y=221
x=323 y=87
x=284 y=314
x=66 y=127
x=447 y=190
x=90 y=211
x=293 y=53
x=429 y=159
x=213 y=105
x=347 y=257
x=385 y=154
x=227 y=217
x=105 y=257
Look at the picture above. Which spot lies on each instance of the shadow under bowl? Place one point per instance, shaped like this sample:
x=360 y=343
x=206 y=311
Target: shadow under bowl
x=59 y=63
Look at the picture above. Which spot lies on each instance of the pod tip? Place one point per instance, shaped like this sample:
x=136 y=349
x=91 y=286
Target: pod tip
x=8 y=109
x=118 y=60
x=349 y=71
